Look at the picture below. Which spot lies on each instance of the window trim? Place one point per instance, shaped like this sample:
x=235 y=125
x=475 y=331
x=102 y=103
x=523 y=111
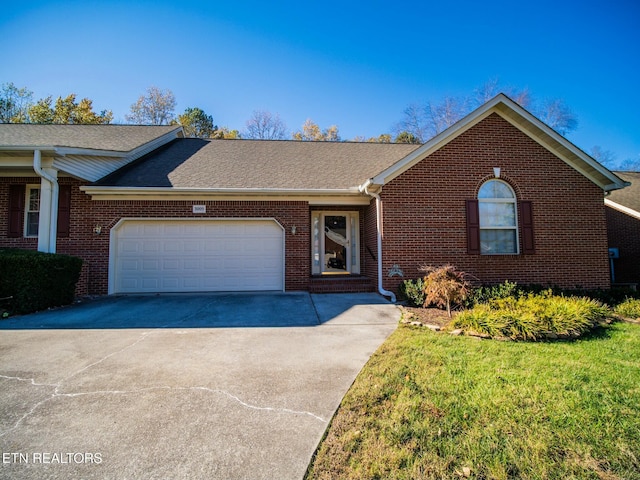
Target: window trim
x=512 y=201
x=27 y=211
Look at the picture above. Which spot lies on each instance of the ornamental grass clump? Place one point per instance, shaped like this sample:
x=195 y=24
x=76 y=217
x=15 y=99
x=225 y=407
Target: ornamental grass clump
x=630 y=308
x=444 y=286
x=533 y=317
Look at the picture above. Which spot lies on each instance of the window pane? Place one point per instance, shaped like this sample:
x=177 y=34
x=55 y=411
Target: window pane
x=34 y=200
x=495 y=189
x=497 y=214
x=498 y=241
x=32 y=223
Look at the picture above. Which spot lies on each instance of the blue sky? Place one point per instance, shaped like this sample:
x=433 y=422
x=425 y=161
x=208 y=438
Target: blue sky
x=354 y=64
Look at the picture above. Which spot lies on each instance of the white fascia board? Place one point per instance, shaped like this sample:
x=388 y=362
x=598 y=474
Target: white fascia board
x=622 y=208
x=503 y=105
x=316 y=196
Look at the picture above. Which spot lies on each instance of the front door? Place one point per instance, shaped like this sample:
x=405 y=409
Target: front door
x=335 y=248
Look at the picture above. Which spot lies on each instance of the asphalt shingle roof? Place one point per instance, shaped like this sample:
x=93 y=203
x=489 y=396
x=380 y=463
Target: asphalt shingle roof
x=272 y=164
x=118 y=138
x=630 y=196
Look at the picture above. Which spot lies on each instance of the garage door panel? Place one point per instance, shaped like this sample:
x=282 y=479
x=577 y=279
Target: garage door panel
x=183 y=256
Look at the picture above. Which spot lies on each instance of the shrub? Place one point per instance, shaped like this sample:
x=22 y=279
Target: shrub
x=630 y=308
x=444 y=285
x=35 y=281
x=412 y=291
x=486 y=293
x=533 y=316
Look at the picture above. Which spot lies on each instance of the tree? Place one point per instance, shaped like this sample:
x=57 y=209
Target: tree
x=263 y=125
x=492 y=87
x=444 y=285
x=67 y=111
x=428 y=120
x=157 y=107
x=406 y=137
x=605 y=157
x=631 y=165
x=425 y=121
x=14 y=103
x=196 y=123
x=557 y=114
x=225 y=133
x=382 y=138
x=312 y=132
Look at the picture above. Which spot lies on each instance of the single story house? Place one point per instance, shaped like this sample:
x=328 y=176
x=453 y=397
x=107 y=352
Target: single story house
x=623 y=226
x=499 y=194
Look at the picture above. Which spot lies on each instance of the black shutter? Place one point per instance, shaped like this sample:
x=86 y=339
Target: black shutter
x=526 y=225
x=16 y=210
x=473 y=227
x=64 y=210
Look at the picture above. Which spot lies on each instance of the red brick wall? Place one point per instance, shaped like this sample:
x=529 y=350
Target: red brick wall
x=94 y=249
x=425 y=223
x=624 y=233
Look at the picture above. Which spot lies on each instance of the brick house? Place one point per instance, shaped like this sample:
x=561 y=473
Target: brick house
x=623 y=227
x=499 y=194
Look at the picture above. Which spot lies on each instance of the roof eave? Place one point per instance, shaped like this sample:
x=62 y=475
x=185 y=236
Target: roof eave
x=111 y=190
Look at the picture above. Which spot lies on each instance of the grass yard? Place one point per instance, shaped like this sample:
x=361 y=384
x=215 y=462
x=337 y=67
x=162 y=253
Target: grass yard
x=435 y=406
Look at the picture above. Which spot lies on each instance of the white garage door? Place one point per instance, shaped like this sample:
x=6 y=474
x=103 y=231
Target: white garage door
x=196 y=256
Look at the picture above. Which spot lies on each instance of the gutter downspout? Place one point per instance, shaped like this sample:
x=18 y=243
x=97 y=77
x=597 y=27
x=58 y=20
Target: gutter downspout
x=47 y=242
x=365 y=189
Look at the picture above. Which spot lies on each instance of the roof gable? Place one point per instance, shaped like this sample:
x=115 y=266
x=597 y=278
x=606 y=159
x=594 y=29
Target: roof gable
x=523 y=121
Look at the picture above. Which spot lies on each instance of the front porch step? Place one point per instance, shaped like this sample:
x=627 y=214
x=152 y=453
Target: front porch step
x=341 y=284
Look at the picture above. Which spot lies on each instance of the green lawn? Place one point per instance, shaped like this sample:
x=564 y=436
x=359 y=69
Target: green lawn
x=431 y=405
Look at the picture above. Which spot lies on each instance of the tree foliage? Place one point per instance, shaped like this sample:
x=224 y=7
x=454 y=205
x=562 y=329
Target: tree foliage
x=406 y=137
x=157 y=107
x=226 y=133
x=444 y=285
x=264 y=125
x=312 y=132
x=14 y=103
x=196 y=123
x=67 y=111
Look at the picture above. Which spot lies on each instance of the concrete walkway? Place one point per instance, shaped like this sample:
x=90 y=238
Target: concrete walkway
x=199 y=387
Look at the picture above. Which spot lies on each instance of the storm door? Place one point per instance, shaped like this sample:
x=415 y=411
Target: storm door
x=335 y=243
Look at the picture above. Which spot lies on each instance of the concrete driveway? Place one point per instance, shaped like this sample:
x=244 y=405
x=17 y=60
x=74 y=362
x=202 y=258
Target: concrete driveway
x=185 y=386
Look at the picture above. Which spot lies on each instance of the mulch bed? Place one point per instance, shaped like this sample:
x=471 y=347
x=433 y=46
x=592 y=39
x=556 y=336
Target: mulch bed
x=426 y=316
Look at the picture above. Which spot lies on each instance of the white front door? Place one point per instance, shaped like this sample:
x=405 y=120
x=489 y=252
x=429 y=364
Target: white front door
x=335 y=243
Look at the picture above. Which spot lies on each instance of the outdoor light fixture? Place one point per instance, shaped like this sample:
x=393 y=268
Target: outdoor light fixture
x=97 y=229
x=293 y=230
x=496 y=172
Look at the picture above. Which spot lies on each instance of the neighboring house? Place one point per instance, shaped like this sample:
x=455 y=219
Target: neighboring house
x=623 y=226
x=499 y=194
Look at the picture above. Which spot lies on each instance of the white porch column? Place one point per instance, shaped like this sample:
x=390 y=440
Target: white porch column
x=48 y=218
x=44 y=223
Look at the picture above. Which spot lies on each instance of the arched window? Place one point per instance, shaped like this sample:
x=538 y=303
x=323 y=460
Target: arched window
x=498 y=218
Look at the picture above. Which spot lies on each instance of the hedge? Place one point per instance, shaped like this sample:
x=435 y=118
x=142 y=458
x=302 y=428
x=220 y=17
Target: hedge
x=32 y=281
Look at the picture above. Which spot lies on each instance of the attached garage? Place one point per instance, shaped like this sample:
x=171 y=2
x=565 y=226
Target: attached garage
x=196 y=255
